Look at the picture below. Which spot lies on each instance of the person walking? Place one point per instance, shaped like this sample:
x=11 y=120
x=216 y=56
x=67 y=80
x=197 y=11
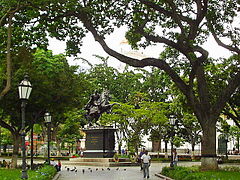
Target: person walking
x=146 y=160
x=59 y=165
x=175 y=157
x=140 y=160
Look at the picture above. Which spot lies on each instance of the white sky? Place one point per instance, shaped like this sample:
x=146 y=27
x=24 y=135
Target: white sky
x=91 y=47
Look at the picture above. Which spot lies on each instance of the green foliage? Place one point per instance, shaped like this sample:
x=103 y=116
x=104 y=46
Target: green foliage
x=194 y=173
x=5 y=137
x=138 y=118
x=70 y=130
x=45 y=173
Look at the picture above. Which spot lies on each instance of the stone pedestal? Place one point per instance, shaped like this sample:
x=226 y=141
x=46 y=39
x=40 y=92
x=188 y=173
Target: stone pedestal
x=100 y=142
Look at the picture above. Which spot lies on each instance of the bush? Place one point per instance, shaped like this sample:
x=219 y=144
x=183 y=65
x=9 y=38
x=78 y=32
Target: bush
x=194 y=173
x=161 y=159
x=123 y=156
x=45 y=173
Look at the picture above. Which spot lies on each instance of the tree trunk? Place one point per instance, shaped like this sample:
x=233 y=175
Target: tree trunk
x=58 y=147
x=16 y=141
x=193 y=149
x=4 y=148
x=238 y=144
x=119 y=147
x=208 y=151
x=166 y=152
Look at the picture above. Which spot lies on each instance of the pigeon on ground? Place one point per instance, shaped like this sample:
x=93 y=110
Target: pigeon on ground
x=90 y=170
x=72 y=170
x=102 y=169
x=96 y=169
x=68 y=169
x=124 y=169
x=83 y=171
x=117 y=169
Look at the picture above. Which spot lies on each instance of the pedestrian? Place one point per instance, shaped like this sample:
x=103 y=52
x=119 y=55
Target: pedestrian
x=59 y=165
x=146 y=160
x=123 y=151
x=175 y=157
x=140 y=156
x=54 y=164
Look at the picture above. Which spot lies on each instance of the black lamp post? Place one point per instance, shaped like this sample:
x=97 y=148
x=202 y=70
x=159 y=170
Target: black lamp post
x=24 y=89
x=172 y=121
x=48 y=119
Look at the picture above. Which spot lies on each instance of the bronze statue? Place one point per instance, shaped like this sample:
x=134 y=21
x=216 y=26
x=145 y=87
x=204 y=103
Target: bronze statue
x=98 y=104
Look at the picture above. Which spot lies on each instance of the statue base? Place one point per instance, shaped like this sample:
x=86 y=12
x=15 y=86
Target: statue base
x=100 y=142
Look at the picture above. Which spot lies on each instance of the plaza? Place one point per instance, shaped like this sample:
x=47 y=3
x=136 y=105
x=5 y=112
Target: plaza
x=115 y=173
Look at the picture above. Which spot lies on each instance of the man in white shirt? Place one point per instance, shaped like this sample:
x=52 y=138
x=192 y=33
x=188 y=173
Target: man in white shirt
x=146 y=160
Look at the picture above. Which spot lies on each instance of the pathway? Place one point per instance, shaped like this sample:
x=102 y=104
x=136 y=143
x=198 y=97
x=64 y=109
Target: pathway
x=115 y=173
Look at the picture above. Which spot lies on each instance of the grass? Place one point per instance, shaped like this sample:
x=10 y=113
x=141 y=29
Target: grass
x=45 y=173
x=194 y=173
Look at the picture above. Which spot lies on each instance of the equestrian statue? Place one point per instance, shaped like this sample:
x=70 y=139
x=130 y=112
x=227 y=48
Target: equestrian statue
x=97 y=105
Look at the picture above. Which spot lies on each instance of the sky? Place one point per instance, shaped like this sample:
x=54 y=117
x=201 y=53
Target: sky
x=117 y=42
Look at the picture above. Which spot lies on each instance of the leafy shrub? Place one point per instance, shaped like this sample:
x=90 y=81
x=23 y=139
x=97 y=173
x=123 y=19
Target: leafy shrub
x=45 y=173
x=161 y=159
x=194 y=173
x=231 y=168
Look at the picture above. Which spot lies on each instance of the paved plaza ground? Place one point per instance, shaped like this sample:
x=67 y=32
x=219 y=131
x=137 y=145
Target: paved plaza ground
x=123 y=173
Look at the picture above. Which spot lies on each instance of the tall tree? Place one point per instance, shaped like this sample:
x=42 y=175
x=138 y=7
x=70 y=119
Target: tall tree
x=15 y=19
x=56 y=89
x=182 y=26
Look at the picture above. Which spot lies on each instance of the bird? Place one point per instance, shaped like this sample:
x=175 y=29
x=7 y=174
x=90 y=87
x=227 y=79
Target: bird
x=90 y=170
x=65 y=166
x=108 y=169
x=117 y=169
x=102 y=169
x=83 y=171
x=76 y=170
x=96 y=169
x=124 y=169
x=67 y=169
x=73 y=169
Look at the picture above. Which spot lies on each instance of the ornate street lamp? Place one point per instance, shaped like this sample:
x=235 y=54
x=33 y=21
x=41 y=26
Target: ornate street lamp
x=172 y=121
x=48 y=119
x=24 y=89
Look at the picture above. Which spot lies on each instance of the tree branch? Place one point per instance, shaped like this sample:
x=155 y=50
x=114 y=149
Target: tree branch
x=7 y=126
x=163 y=11
x=201 y=13
x=9 y=58
x=3 y=17
x=226 y=94
x=235 y=119
x=219 y=42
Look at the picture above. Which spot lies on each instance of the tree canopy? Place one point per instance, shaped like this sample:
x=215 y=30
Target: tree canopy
x=181 y=26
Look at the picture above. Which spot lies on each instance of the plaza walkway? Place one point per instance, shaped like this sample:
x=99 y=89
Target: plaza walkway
x=115 y=173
